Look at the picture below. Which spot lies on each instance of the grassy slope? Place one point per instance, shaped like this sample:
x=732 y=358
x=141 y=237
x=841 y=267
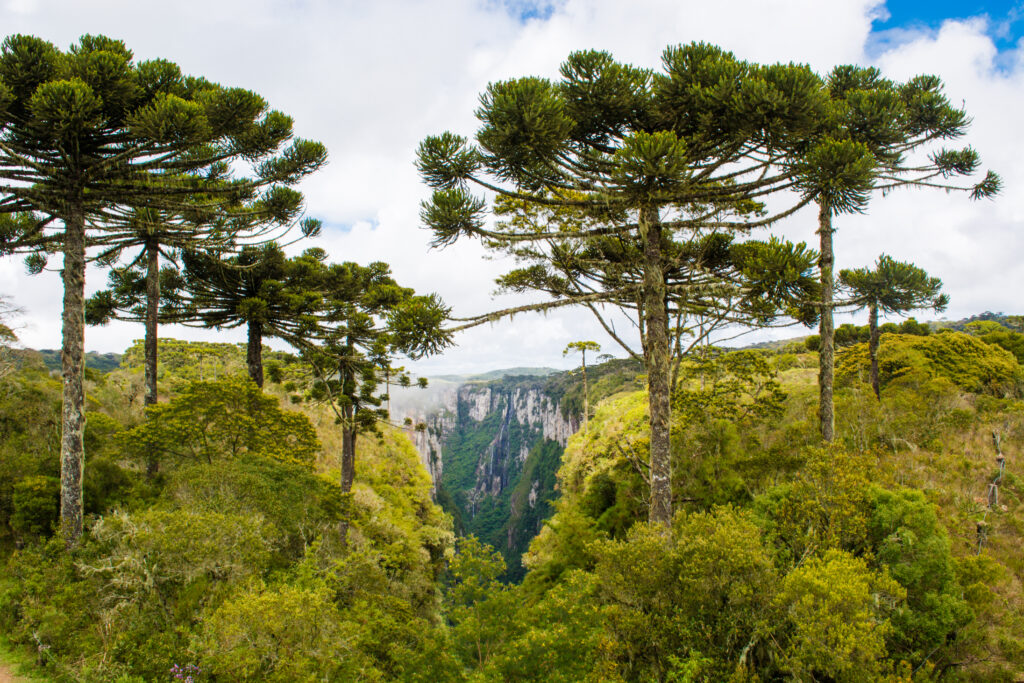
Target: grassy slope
x=16 y=665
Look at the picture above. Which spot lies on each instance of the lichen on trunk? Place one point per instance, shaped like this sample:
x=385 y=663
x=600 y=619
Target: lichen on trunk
x=657 y=351
x=72 y=450
x=348 y=445
x=827 y=346
x=873 y=348
x=150 y=343
x=254 y=352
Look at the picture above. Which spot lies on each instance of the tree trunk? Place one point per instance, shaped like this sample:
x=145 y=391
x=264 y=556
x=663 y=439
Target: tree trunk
x=348 y=445
x=152 y=309
x=658 y=357
x=348 y=451
x=254 y=352
x=586 y=397
x=873 y=348
x=827 y=346
x=150 y=344
x=72 y=450
x=348 y=457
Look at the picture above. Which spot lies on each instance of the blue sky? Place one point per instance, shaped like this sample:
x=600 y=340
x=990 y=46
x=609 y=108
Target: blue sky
x=1005 y=18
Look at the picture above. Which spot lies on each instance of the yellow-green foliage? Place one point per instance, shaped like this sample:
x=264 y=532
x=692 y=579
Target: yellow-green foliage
x=868 y=578
x=857 y=562
x=595 y=462
x=555 y=639
x=300 y=505
x=225 y=418
x=615 y=431
x=286 y=633
x=230 y=558
x=824 y=506
x=966 y=361
x=180 y=362
x=837 y=609
x=30 y=401
x=393 y=514
x=157 y=548
x=479 y=605
x=689 y=599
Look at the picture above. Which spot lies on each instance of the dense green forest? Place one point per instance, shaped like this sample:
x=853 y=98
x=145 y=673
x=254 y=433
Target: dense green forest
x=864 y=560
x=845 y=507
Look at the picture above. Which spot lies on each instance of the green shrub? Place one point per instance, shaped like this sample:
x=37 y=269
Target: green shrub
x=299 y=504
x=835 y=613
x=960 y=358
x=36 y=503
x=281 y=634
x=107 y=485
x=222 y=419
x=164 y=550
x=910 y=542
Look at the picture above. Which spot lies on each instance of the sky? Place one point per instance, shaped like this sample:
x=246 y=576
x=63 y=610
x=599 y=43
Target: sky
x=372 y=79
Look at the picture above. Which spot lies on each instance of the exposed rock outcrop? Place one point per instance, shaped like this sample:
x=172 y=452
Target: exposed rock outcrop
x=477 y=440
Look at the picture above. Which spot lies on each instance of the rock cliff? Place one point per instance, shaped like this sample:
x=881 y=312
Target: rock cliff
x=492 y=449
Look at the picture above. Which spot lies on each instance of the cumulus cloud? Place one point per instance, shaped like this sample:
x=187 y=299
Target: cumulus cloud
x=372 y=79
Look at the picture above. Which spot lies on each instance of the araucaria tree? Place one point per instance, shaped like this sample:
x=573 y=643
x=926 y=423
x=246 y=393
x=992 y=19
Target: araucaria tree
x=89 y=129
x=250 y=288
x=583 y=347
x=365 y=319
x=134 y=290
x=649 y=160
x=891 y=287
x=894 y=127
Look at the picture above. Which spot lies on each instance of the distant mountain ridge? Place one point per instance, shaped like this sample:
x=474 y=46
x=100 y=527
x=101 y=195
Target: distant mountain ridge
x=499 y=374
x=103 y=362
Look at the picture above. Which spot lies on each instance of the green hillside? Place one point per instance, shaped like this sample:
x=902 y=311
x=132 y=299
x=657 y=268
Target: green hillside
x=241 y=522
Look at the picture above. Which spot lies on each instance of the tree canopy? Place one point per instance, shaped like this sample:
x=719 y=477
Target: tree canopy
x=88 y=130
x=659 y=172
x=365 y=319
x=891 y=287
x=896 y=127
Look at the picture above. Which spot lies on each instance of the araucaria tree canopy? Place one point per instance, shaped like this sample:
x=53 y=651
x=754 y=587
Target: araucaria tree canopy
x=87 y=131
x=663 y=171
x=899 y=125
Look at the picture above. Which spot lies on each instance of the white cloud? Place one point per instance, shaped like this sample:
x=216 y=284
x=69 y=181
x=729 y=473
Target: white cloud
x=372 y=79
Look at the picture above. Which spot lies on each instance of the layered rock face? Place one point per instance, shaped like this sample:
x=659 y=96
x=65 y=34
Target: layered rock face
x=492 y=449
x=428 y=423
x=528 y=416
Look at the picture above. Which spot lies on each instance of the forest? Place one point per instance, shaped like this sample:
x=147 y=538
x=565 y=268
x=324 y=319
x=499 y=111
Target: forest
x=838 y=507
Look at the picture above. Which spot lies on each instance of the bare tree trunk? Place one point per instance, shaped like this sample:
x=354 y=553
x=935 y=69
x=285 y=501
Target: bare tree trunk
x=827 y=346
x=72 y=450
x=873 y=348
x=348 y=446
x=348 y=457
x=152 y=309
x=348 y=477
x=586 y=397
x=254 y=352
x=150 y=344
x=658 y=356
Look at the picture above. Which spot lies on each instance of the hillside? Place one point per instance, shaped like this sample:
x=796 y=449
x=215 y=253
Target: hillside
x=103 y=362
x=241 y=520
x=904 y=496
x=885 y=554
